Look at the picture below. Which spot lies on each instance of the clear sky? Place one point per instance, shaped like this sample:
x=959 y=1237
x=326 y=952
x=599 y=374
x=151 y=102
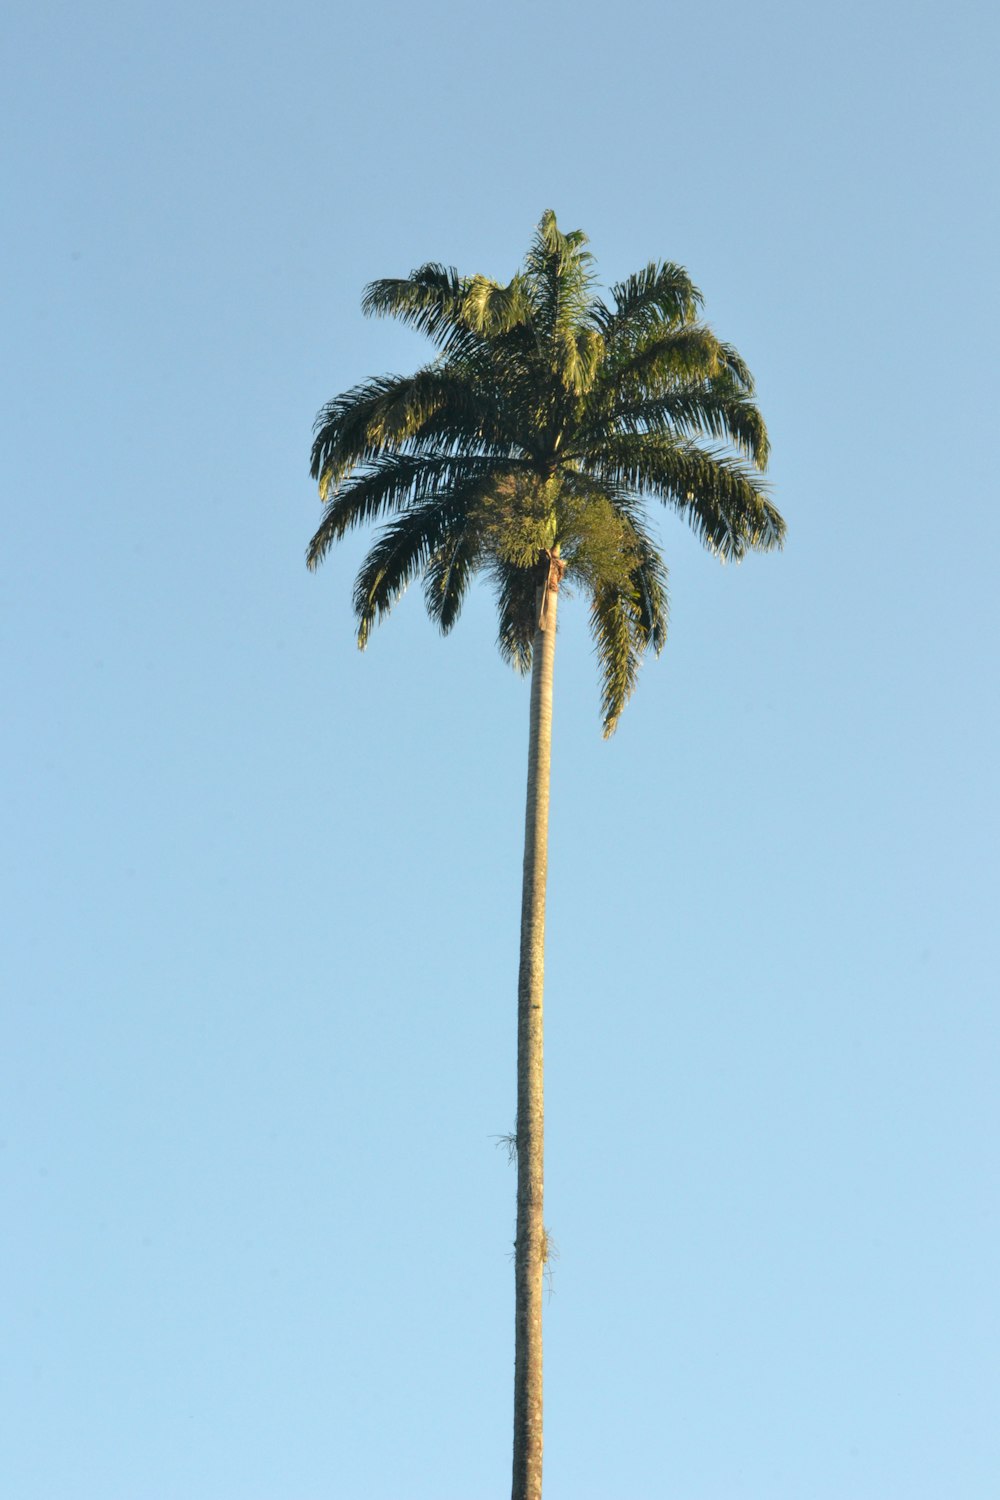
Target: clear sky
x=261 y=892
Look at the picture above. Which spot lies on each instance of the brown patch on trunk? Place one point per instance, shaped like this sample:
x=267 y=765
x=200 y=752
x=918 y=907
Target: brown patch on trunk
x=551 y=568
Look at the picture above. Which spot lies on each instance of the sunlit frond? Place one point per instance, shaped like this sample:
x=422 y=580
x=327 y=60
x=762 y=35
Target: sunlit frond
x=558 y=277
x=661 y=361
x=492 y=310
x=659 y=295
x=429 y=299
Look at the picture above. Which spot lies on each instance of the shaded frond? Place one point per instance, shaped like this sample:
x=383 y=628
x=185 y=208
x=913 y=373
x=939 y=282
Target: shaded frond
x=649 y=581
x=612 y=624
x=400 y=552
x=725 y=501
x=517 y=610
x=709 y=409
x=392 y=483
x=737 y=369
x=450 y=571
x=438 y=403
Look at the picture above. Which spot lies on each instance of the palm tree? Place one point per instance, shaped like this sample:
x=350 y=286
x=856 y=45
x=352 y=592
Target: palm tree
x=526 y=451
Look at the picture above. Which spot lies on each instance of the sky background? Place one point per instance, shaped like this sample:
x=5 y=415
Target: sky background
x=261 y=892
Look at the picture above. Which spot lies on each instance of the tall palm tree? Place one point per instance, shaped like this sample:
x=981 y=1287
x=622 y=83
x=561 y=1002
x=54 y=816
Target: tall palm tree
x=526 y=451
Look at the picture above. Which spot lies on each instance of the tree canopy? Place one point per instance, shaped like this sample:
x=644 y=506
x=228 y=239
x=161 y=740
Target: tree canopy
x=548 y=419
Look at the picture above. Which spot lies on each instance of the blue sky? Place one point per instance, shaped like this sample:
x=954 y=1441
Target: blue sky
x=262 y=891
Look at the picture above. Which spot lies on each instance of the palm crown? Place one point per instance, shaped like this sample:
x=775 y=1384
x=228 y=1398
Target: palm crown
x=537 y=433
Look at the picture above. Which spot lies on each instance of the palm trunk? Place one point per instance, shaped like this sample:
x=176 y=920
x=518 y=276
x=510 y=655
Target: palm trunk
x=530 y=1245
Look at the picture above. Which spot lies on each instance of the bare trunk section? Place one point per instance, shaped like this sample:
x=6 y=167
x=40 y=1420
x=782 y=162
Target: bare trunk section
x=529 y=1246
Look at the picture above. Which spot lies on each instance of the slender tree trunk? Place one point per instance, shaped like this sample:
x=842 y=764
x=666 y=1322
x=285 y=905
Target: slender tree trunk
x=530 y=1250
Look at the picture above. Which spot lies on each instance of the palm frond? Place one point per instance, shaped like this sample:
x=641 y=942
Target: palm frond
x=612 y=625
x=578 y=354
x=737 y=369
x=401 y=551
x=661 y=361
x=724 y=500
x=395 y=481
x=429 y=299
x=708 y=409
x=450 y=571
x=439 y=403
x=649 y=581
x=558 y=277
x=659 y=295
x=492 y=310
x=517 y=610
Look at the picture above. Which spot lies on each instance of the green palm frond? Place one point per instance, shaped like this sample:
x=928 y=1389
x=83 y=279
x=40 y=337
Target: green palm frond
x=578 y=355
x=517 y=611
x=661 y=361
x=492 y=310
x=449 y=573
x=394 y=482
x=558 y=277
x=438 y=403
x=613 y=627
x=737 y=369
x=402 y=550
x=429 y=299
x=649 y=584
x=724 y=500
x=659 y=295
x=709 y=410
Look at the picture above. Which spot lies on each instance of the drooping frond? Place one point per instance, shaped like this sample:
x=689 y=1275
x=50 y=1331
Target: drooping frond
x=611 y=555
x=709 y=409
x=449 y=573
x=578 y=358
x=660 y=295
x=491 y=310
x=438 y=403
x=737 y=369
x=662 y=361
x=392 y=483
x=612 y=624
x=517 y=611
x=724 y=500
x=429 y=299
x=628 y=618
x=401 y=551
x=649 y=581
